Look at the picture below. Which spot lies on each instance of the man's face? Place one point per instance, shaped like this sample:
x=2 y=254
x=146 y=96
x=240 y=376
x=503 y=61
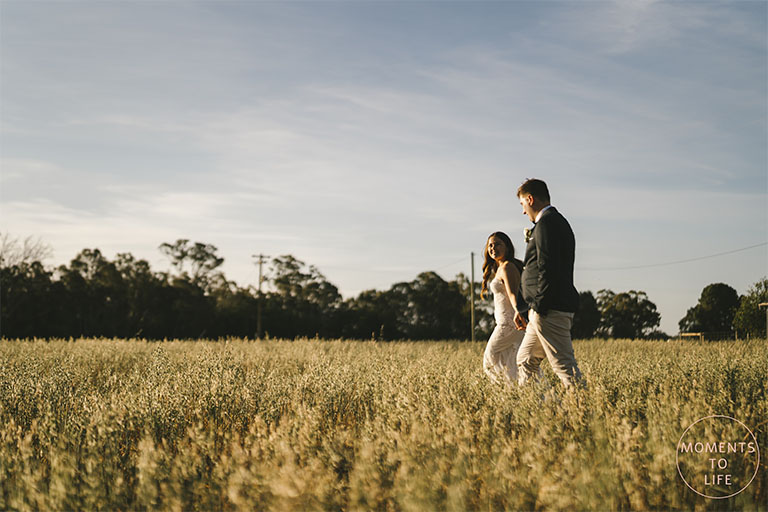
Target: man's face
x=526 y=201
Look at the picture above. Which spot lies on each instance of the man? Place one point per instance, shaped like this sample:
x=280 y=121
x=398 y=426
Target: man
x=547 y=285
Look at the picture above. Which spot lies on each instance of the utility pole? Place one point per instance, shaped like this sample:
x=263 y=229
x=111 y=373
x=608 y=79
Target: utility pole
x=472 y=295
x=259 y=300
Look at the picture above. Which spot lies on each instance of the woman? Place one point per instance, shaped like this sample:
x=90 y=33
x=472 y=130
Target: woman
x=501 y=273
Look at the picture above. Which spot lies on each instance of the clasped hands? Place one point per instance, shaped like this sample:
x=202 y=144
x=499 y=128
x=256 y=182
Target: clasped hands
x=520 y=322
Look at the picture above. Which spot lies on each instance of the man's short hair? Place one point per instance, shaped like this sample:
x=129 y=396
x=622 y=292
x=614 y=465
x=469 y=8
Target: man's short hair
x=536 y=188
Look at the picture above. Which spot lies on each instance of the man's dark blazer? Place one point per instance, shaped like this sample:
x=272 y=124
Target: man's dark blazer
x=547 y=279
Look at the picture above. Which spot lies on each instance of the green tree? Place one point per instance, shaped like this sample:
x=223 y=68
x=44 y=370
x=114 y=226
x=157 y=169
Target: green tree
x=199 y=257
x=235 y=311
x=187 y=312
x=714 y=312
x=146 y=311
x=292 y=278
x=27 y=307
x=430 y=308
x=587 y=318
x=749 y=319
x=96 y=299
x=426 y=308
x=484 y=320
x=368 y=316
x=304 y=302
x=627 y=314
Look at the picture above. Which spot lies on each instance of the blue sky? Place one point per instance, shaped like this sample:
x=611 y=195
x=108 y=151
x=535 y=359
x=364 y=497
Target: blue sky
x=377 y=140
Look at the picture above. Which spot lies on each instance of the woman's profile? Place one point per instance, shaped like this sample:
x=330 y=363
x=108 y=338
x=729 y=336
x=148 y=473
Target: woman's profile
x=501 y=273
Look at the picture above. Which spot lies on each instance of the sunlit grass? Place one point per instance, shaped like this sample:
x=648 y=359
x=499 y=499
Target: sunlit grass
x=306 y=425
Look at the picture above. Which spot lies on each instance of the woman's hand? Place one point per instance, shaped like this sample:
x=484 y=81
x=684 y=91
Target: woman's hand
x=520 y=322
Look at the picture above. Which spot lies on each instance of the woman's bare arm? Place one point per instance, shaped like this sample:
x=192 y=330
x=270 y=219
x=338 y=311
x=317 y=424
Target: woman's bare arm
x=511 y=278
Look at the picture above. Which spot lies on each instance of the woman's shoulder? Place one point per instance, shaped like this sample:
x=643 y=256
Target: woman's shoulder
x=505 y=268
x=513 y=266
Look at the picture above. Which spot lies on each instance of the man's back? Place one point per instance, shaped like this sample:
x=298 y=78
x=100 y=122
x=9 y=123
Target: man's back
x=547 y=279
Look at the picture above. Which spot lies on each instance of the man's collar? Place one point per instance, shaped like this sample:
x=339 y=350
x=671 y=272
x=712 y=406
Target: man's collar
x=538 y=217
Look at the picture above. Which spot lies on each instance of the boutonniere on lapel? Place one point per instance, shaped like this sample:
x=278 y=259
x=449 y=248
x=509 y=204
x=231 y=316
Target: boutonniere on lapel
x=528 y=234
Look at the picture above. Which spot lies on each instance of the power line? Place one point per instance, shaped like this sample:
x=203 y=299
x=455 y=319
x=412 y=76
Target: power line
x=673 y=262
x=462 y=260
x=370 y=270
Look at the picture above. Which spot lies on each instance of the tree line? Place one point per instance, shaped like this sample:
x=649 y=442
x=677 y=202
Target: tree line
x=94 y=296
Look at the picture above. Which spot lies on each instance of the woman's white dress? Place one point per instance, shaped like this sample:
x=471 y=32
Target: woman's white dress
x=500 y=357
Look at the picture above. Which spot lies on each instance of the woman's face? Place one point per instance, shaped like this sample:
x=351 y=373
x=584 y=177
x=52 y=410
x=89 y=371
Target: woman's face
x=496 y=248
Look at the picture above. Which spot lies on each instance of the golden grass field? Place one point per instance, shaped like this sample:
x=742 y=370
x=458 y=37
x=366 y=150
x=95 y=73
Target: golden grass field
x=344 y=425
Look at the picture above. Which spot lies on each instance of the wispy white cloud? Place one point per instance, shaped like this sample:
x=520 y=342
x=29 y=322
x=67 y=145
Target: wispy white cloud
x=25 y=168
x=617 y=28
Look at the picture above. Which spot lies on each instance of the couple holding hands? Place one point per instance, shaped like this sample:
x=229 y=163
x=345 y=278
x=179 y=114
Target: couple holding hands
x=535 y=299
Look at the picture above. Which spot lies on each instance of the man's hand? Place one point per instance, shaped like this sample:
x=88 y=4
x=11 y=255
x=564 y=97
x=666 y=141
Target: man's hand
x=520 y=322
